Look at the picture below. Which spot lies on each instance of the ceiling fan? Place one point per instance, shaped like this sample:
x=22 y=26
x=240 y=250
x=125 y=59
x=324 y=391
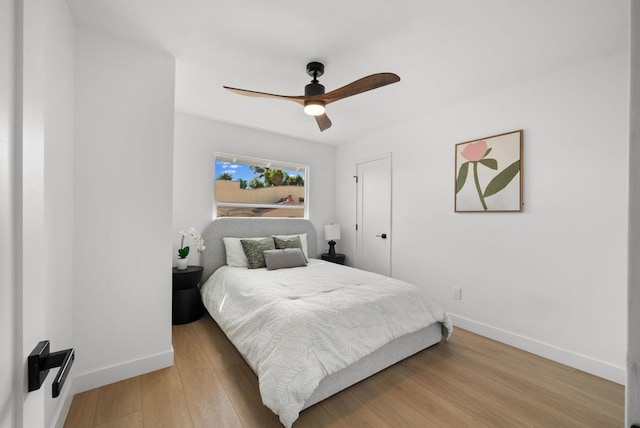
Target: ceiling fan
x=315 y=99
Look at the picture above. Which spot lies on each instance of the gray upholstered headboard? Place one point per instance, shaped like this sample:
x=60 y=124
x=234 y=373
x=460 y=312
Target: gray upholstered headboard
x=246 y=227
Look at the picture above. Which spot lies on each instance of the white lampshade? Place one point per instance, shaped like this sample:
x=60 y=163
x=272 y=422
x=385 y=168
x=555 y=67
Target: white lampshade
x=332 y=232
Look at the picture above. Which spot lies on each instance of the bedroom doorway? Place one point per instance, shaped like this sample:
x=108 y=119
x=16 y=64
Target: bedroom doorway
x=373 y=214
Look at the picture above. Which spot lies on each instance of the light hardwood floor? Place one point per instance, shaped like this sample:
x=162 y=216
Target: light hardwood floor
x=468 y=381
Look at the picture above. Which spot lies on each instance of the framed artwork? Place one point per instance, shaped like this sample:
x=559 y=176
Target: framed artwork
x=489 y=174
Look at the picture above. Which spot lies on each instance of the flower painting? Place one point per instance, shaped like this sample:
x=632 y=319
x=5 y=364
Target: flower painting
x=489 y=174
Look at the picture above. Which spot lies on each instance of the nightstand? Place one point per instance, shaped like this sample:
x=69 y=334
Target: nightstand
x=338 y=258
x=187 y=304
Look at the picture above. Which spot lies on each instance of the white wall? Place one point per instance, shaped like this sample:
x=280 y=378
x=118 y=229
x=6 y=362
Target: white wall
x=198 y=139
x=124 y=103
x=551 y=280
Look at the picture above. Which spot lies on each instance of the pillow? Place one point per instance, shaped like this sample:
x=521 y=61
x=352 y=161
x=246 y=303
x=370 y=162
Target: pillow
x=291 y=242
x=303 y=242
x=235 y=252
x=284 y=258
x=254 y=249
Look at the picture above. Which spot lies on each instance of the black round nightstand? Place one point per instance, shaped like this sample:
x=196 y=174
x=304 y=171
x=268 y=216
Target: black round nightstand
x=338 y=258
x=187 y=304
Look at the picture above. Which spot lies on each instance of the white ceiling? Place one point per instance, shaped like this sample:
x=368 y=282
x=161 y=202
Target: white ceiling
x=445 y=51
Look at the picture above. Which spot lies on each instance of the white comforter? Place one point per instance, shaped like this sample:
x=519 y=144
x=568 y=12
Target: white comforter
x=297 y=326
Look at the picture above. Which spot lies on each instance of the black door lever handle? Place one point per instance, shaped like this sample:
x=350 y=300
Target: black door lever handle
x=383 y=236
x=41 y=360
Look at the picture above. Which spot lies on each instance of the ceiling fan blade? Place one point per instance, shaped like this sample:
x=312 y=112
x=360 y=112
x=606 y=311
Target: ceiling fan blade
x=323 y=121
x=359 y=86
x=295 y=98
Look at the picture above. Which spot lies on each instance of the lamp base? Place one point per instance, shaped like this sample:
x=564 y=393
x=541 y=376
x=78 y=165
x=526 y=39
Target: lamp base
x=332 y=248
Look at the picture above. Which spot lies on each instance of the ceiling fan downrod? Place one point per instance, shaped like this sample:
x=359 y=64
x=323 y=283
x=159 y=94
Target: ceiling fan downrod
x=315 y=70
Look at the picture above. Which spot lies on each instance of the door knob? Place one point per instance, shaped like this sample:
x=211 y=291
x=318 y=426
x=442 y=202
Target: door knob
x=383 y=236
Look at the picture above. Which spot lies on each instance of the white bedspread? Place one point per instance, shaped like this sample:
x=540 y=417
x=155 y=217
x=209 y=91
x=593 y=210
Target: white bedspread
x=296 y=326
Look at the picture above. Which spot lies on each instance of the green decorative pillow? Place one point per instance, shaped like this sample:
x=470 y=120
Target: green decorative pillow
x=303 y=241
x=254 y=250
x=288 y=242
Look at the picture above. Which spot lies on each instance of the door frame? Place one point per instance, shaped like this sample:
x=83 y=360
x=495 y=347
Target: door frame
x=380 y=156
x=10 y=360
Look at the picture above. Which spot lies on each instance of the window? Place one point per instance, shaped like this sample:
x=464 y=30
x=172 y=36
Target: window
x=245 y=187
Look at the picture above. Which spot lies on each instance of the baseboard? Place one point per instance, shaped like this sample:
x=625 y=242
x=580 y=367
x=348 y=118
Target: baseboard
x=78 y=383
x=86 y=381
x=563 y=356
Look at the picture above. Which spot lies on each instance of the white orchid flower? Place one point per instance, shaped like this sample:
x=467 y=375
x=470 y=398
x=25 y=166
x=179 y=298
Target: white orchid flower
x=196 y=238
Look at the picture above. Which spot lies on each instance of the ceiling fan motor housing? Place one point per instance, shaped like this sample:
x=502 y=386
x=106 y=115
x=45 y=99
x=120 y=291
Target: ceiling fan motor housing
x=313 y=88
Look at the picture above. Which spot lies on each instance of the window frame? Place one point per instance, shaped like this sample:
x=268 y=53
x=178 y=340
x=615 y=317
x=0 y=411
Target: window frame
x=247 y=160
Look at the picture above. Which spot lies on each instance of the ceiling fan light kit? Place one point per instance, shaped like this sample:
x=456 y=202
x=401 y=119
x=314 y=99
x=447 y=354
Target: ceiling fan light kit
x=315 y=99
x=314 y=108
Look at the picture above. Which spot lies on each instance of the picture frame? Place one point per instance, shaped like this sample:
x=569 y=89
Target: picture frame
x=488 y=174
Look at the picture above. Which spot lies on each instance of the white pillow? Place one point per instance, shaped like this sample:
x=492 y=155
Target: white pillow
x=235 y=252
x=303 y=242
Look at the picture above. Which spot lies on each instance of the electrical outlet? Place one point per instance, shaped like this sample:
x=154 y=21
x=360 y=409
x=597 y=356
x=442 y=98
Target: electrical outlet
x=457 y=293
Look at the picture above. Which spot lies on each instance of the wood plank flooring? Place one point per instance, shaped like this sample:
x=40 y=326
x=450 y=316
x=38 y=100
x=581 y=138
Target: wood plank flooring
x=469 y=381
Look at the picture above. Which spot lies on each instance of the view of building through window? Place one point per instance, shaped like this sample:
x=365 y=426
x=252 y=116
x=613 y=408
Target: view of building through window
x=245 y=187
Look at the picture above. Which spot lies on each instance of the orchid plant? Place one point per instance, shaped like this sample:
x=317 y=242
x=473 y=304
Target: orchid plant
x=197 y=240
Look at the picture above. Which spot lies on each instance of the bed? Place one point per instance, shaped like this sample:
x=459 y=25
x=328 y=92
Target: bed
x=296 y=354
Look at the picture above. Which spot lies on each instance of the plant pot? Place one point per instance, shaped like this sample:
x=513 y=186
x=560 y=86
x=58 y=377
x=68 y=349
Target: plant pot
x=182 y=264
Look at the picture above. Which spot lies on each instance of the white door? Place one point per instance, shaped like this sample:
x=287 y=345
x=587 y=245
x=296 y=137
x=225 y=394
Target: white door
x=373 y=234
x=22 y=314
x=8 y=330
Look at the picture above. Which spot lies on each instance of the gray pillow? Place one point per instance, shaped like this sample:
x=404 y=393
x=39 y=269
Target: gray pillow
x=284 y=258
x=254 y=249
x=290 y=242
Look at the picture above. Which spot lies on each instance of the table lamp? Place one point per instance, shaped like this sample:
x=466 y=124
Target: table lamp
x=332 y=233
